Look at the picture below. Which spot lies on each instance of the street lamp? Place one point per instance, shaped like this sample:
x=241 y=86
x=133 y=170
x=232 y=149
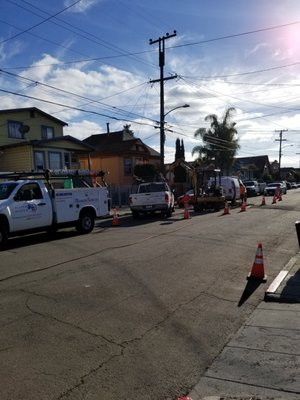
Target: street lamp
x=163 y=136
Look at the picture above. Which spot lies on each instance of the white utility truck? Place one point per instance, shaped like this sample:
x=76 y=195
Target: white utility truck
x=151 y=197
x=29 y=204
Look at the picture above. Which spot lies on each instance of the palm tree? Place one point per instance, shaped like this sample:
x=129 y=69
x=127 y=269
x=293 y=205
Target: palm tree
x=219 y=141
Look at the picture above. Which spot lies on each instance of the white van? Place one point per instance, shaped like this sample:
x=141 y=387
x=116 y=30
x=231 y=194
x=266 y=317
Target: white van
x=230 y=186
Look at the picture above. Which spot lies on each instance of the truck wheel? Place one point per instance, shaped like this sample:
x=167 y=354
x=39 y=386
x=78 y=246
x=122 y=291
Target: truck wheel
x=85 y=223
x=3 y=237
x=135 y=214
x=169 y=213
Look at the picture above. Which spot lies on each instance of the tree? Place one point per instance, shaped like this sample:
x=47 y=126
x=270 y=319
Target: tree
x=219 y=141
x=146 y=171
x=179 y=152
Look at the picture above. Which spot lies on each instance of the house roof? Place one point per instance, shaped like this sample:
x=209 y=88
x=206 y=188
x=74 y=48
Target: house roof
x=44 y=142
x=117 y=142
x=33 y=109
x=259 y=161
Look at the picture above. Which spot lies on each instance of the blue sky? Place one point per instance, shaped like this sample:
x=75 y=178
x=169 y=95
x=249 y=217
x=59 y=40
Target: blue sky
x=90 y=63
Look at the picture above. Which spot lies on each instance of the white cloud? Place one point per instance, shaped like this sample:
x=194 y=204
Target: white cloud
x=83 y=129
x=82 y=6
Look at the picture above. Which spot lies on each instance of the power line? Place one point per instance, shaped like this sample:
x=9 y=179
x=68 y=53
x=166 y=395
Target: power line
x=76 y=108
x=73 y=94
x=236 y=35
x=40 y=23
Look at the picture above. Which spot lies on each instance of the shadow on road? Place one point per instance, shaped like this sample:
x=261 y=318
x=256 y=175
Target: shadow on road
x=38 y=238
x=250 y=288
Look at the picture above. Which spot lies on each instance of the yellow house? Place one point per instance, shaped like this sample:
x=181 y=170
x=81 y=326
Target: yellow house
x=118 y=153
x=32 y=140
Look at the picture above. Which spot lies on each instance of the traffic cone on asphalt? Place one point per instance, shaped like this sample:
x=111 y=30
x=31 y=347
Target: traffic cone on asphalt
x=115 y=221
x=257 y=271
x=244 y=206
x=184 y=398
x=274 y=199
x=263 y=201
x=186 y=214
x=226 y=209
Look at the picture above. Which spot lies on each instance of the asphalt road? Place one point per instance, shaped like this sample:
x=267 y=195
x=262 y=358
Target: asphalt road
x=136 y=311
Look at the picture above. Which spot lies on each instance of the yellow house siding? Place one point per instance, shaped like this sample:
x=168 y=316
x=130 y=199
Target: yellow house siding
x=114 y=164
x=67 y=145
x=33 y=120
x=16 y=159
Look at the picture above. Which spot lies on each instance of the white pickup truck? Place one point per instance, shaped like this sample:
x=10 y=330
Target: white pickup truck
x=151 y=197
x=31 y=205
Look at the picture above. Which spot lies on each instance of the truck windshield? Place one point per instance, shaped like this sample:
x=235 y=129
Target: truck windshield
x=5 y=189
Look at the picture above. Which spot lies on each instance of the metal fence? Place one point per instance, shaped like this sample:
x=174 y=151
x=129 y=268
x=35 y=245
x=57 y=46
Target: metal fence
x=119 y=195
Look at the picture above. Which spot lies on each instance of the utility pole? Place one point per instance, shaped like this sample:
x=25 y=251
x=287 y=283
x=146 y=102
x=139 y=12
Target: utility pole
x=161 y=44
x=280 y=140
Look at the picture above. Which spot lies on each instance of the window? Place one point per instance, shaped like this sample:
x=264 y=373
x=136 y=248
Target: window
x=67 y=162
x=47 y=132
x=39 y=160
x=15 y=129
x=29 y=191
x=54 y=160
x=127 y=166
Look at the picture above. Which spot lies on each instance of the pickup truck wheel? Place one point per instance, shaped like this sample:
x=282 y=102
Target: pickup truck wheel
x=135 y=214
x=85 y=223
x=169 y=213
x=3 y=237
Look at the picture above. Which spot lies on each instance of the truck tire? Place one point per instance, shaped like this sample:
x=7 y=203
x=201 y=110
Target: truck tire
x=135 y=214
x=169 y=212
x=85 y=223
x=3 y=237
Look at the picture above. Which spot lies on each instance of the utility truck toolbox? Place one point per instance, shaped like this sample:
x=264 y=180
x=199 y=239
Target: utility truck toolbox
x=29 y=205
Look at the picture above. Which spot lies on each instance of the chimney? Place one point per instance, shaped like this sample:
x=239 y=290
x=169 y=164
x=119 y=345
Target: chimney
x=107 y=128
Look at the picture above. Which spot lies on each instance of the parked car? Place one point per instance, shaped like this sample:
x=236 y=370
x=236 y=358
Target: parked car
x=191 y=198
x=293 y=185
x=261 y=186
x=271 y=188
x=284 y=186
x=252 y=188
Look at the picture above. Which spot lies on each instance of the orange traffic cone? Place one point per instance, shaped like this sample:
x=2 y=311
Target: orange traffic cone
x=186 y=214
x=244 y=206
x=274 y=199
x=115 y=221
x=184 y=398
x=263 y=201
x=257 y=271
x=226 y=209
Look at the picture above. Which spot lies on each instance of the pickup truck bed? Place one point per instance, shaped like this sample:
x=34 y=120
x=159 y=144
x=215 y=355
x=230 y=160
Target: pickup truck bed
x=150 y=198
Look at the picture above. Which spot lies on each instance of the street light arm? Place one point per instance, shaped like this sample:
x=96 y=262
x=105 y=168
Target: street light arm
x=175 y=108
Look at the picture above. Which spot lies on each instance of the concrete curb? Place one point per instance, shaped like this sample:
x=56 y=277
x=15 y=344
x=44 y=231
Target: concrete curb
x=274 y=291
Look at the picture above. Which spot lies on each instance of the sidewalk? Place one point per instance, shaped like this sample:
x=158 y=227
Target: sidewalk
x=262 y=361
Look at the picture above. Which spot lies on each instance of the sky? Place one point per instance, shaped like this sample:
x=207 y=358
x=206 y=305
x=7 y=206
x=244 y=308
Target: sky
x=90 y=63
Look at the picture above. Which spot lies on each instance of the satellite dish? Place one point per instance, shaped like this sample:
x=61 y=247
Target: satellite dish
x=24 y=129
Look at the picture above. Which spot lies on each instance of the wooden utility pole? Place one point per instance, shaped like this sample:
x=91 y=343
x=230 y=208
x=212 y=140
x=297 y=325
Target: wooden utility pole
x=280 y=140
x=161 y=44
